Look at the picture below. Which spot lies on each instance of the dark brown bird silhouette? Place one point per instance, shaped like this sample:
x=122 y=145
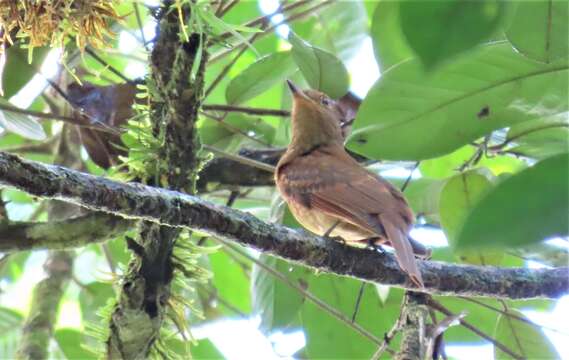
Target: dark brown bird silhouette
x=326 y=188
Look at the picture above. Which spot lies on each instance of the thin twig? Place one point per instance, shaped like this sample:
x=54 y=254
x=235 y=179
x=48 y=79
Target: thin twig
x=269 y=30
x=440 y=308
x=246 y=110
x=317 y=301
x=108 y=66
x=227 y=8
x=234 y=129
x=240 y=159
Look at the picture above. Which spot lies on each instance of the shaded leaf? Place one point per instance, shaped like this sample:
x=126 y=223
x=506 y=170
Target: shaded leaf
x=21 y=124
x=440 y=30
x=93 y=297
x=440 y=112
x=260 y=76
x=389 y=44
x=539 y=29
x=322 y=70
x=522 y=338
x=522 y=209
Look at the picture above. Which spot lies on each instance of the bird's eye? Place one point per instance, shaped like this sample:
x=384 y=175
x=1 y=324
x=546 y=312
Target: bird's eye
x=325 y=101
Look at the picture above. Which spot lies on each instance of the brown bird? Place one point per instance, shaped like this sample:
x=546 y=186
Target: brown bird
x=330 y=193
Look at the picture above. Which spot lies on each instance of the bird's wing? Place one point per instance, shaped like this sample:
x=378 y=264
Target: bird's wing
x=329 y=180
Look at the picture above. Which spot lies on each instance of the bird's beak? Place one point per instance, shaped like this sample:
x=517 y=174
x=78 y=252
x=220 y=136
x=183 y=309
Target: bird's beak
x=295 y=90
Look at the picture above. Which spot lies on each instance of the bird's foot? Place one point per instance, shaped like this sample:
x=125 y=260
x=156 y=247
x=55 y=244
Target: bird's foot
x=373 y=245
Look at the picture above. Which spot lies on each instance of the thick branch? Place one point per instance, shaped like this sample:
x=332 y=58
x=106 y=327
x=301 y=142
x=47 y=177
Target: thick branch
x=65 y=234
x=179 y=210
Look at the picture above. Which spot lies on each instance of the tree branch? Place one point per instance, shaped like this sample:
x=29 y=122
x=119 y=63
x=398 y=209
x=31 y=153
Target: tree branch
x=413 y=327
x=175 y=209
x=59 y=235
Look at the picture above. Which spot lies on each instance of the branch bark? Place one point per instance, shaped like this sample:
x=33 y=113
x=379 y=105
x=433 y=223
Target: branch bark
x=58 y=235
x=175 y=209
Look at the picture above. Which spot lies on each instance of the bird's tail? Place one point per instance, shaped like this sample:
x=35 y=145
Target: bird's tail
x=404 y=251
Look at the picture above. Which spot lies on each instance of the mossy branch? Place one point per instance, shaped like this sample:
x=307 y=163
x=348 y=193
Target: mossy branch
x=175 y=209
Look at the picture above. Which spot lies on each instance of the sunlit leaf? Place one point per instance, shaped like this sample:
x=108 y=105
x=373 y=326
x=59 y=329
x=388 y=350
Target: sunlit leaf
x=260 y=76
x=277 y=303
x=231 y=281
x=522 y=209
x=408 y=115
x=69 y=341
x=327 y=337
x=17 y=72
x=540 y=138
x=525 y=340
x=439 y=30
x=322 y=70
x=389 y=43
x=458 y=197
x=539 y=29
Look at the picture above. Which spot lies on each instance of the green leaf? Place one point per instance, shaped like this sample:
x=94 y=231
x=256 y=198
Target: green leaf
x=69 y=341
x=327 y=337
x=17 y=72
x=260 y=76
x=10 y=328
x=440 y=30
x=275 y=301
x=539 y=29
x=408 y=115
x=541 y=138
x=322 y=70
x=389 y=44
x=20 y=124
x=423 y=196
x=525 y=340
x=205 y=350
x=458 y=197
x=522 y=209
x=337 y=28
x=231 y=281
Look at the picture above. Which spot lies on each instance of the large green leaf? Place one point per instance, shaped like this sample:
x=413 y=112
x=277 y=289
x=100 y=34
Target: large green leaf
x=260 y=76
x=439 y=30
x=459 y=195
x=525 y=340
x=389 y=43
x=539 y=29
x=69 y=341
x=327 y=337
x=409 y=115
x=230 y=280
x=322 y=70
x=338 y=28
x=524 y=208
x=20 y=124
x=277 y=303
x=540 y=138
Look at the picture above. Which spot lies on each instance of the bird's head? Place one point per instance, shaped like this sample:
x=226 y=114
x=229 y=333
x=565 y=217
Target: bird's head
x=316 y=118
